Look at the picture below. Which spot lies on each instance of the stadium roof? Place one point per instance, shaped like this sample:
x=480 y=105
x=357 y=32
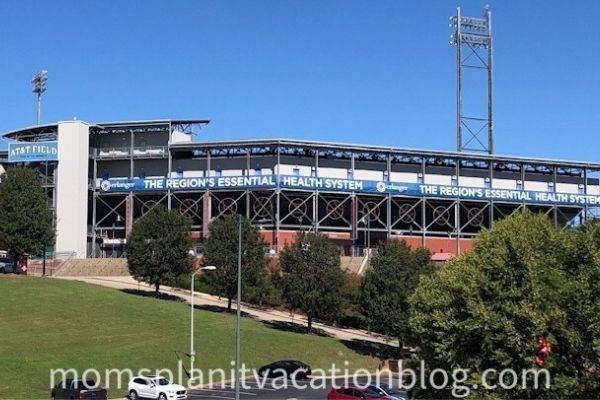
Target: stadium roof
x=48 y=131
x=383 y=149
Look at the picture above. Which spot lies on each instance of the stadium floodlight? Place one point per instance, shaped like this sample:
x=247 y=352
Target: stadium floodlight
x=472 y=37
x=38 y=83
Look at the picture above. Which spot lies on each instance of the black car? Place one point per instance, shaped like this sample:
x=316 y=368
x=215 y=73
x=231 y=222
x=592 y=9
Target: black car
x=288 y=368
x=78 y=389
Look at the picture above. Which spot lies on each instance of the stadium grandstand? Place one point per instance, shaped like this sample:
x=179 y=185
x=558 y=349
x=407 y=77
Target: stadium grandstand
x=102 y=177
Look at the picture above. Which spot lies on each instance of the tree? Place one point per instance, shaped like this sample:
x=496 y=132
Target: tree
x=390 y=280
x=313 y=281
x=221 y=250
x=26 y=220
x=158 y=247
x=583 y=308
x=490 y=308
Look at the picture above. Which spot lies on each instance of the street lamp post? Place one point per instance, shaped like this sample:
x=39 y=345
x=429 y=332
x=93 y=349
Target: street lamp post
x=192 y=349
x=238 y=313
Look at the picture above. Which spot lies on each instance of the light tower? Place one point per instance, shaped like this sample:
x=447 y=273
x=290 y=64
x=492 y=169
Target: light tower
x=473 y=40
x=38 y=83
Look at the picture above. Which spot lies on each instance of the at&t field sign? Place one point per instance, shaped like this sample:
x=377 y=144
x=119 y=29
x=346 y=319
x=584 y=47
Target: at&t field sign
x=32 y=151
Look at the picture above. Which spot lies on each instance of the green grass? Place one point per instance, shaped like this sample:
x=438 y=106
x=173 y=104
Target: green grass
x=49 y=323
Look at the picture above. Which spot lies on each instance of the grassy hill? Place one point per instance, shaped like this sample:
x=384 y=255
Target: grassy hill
x=48 y=323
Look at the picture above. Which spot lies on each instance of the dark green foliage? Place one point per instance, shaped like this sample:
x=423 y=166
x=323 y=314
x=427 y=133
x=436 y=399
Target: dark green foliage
x=313 y=281
x=583 y=308
x=221 y=250
x=26 y=221
x=158 y=247
x=351 y=313
x=524 y=280
x=391 y=278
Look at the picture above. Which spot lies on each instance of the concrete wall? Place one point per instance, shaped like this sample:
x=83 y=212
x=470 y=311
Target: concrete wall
x=72 y=187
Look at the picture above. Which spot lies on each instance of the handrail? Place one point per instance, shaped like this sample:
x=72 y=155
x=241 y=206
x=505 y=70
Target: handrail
x=63 y=256
x=126 y=151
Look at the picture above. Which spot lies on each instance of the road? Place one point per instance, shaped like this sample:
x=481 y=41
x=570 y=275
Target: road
x=317 y=389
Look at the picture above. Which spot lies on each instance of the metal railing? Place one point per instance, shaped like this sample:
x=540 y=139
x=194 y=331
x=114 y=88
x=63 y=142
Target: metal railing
x=54 y=262
x=114 y=153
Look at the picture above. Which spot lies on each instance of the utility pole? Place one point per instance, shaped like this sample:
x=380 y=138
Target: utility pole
x=38 y=83
x=238 y=313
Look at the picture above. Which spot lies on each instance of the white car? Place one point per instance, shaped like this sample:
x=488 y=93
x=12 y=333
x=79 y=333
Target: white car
x=155 y=387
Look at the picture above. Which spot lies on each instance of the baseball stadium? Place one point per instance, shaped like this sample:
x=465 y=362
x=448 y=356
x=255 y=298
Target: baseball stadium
x=102 y=177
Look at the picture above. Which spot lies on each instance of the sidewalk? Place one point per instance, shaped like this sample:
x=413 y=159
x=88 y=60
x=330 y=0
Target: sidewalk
x=202 y=299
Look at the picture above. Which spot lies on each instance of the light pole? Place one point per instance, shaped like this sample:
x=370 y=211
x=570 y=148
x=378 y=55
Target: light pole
x=192 y=350
x=38 y=83
x=238 y=313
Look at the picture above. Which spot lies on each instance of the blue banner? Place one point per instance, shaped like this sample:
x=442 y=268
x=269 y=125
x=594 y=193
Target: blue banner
x=343 y=185
x=32 y=151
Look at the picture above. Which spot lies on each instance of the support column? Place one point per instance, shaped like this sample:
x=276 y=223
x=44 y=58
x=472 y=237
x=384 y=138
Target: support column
x=95 y=178
x=72 y=188
x=278 y=200
x=206 y=213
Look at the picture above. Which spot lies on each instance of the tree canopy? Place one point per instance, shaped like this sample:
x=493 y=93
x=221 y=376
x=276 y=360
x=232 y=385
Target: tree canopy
x=313 y=281
x=390 y=279
x=524 y=283
x=158 y=247
x=221 y=249
x=26 y=220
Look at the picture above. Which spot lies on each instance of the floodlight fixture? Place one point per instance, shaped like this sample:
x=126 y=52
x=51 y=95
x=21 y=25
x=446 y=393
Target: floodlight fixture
x=38 y=83
x=472 y=37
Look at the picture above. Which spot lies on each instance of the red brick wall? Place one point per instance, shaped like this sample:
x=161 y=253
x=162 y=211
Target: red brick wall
x=434 y=244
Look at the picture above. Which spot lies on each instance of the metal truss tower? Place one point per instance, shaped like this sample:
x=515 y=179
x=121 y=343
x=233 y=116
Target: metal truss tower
x=473 y=40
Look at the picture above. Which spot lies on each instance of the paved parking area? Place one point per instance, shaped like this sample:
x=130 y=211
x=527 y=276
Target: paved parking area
x=251 y=390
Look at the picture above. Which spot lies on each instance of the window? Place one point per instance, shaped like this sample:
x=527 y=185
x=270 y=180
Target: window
x=79 y=384
x=140 y=381
x=519 y=185
x=296 y=171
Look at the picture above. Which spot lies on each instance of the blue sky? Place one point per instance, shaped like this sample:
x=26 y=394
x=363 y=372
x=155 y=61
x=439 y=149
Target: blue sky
x=370 y=72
